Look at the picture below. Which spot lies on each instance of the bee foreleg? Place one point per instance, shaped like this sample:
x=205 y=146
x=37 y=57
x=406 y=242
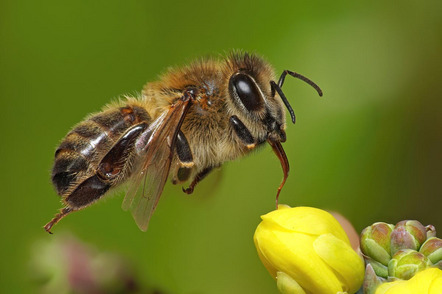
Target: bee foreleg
x=198 y=178
x=242 y=132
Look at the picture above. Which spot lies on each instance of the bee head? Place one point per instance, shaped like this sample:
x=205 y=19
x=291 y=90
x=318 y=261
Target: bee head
x=252 y=96
x=253 y=90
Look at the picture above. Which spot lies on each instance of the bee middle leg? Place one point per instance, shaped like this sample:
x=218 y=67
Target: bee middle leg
x=183 y=150
x=185 y=159
x=198 y=178
x=242 y=132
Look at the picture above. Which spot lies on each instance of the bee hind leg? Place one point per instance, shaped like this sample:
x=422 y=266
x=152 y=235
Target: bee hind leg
x=63 y=212
x=85 y=194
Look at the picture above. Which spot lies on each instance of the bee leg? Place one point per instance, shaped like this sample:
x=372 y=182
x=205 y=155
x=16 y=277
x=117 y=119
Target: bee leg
x=183 y=150
x=108 y=172
x=63 y=212
x=114 y=163
x=185 y=158
x=198 y=178
x=109 y=169
x=183 y=174
x=242 y=132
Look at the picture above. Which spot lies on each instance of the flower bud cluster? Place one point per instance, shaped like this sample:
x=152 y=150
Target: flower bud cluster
x=396 y=253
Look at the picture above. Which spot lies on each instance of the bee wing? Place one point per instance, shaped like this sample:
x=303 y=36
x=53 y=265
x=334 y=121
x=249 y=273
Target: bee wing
x=154 y=153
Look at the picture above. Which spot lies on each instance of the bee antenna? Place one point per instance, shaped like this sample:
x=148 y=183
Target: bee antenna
x=284 y=99
x=277 y=88
x=301 y=77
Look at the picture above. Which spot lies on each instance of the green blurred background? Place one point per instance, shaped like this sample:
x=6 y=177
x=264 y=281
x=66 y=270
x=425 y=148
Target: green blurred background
x=370 y=149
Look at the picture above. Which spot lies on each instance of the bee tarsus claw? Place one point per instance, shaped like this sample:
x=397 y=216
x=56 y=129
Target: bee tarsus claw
x=188 y=190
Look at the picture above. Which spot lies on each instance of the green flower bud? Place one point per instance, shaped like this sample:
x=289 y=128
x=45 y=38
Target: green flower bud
x=431 y=231
x=432 y=248
x=380 y=269
x=371 y=280
x=375 y=242
x=287 y=285
x=406 y=263
x=408 y=234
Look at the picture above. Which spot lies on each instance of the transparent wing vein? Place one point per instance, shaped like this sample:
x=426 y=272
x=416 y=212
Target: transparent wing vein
x=151 y=167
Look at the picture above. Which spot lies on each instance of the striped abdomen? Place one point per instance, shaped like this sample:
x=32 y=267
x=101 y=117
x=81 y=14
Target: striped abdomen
x=79 y=155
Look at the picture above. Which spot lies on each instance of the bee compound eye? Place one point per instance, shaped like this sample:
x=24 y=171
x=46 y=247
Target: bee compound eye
x=244 y=87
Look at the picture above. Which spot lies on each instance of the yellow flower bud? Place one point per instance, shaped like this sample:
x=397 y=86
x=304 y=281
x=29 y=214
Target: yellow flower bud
x=307 y=251
x=428 y=281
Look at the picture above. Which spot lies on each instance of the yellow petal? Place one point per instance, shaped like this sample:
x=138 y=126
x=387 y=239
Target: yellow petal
x=257 y=238
x=293 y=254
x=283 y=206
x=436 y=286
x=285 y=241
x=308 y=220
x=343 y=259
x=428 y=281
x=286 y=285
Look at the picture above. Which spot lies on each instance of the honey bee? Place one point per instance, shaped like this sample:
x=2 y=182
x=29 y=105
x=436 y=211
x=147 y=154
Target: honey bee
x=183 y=126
